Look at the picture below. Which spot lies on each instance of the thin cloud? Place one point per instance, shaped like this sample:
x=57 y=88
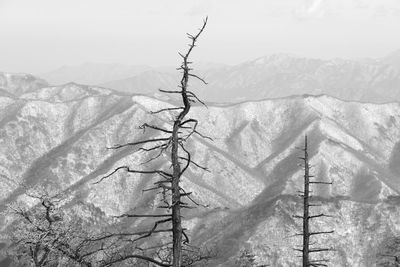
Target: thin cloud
x=311 y=9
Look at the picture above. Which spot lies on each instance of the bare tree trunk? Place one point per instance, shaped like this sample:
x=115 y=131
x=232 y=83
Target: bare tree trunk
x=176 y=200
x=306 y=232
x=306 y=217
x=177 y=230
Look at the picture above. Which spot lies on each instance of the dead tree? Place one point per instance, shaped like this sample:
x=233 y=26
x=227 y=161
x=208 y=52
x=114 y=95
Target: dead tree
x=306 y=218
x=42 y=235
x=171 y=143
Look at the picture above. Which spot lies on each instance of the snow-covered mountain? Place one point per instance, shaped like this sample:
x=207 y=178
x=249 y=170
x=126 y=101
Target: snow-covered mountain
x=15 y=84
x=274 y=76
x=57 y=137
x=92 y=73
x=281 y=75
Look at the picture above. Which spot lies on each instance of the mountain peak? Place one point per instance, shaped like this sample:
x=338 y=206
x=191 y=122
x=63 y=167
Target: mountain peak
x=20 y=83
x=274 y=58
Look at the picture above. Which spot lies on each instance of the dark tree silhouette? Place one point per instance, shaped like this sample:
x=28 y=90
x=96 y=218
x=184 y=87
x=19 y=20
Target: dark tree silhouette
x=306 y=217
x=44 y=236
x=172 y=143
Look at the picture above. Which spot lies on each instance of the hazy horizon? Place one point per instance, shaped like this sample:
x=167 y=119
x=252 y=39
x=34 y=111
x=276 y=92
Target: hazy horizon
x=173 y=67
x=44 y=35
x=218 y=63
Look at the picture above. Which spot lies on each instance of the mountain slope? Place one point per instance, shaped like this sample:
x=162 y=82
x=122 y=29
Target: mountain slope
x=56 y=137
x=281 y=75
x=147 y=82
x=15 y=84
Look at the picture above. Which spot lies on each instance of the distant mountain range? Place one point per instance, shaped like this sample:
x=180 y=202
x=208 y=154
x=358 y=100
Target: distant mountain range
x=92 y=73
x=275 y=76
x=56 y=137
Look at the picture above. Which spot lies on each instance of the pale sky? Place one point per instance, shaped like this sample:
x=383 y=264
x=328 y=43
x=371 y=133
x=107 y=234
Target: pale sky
x=41 y=35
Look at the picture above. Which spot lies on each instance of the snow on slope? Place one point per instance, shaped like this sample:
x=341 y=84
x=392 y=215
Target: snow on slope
x=57 y=137
x=15 y=84
x=281 y=75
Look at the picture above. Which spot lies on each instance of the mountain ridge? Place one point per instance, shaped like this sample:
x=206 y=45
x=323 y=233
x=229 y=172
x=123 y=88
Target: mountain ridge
x=254 y=172
x=272 y=76
x=366 y=80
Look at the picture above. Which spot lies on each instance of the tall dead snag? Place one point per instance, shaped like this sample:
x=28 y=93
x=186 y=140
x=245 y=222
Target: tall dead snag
x=306 y=234
x=172 y=143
